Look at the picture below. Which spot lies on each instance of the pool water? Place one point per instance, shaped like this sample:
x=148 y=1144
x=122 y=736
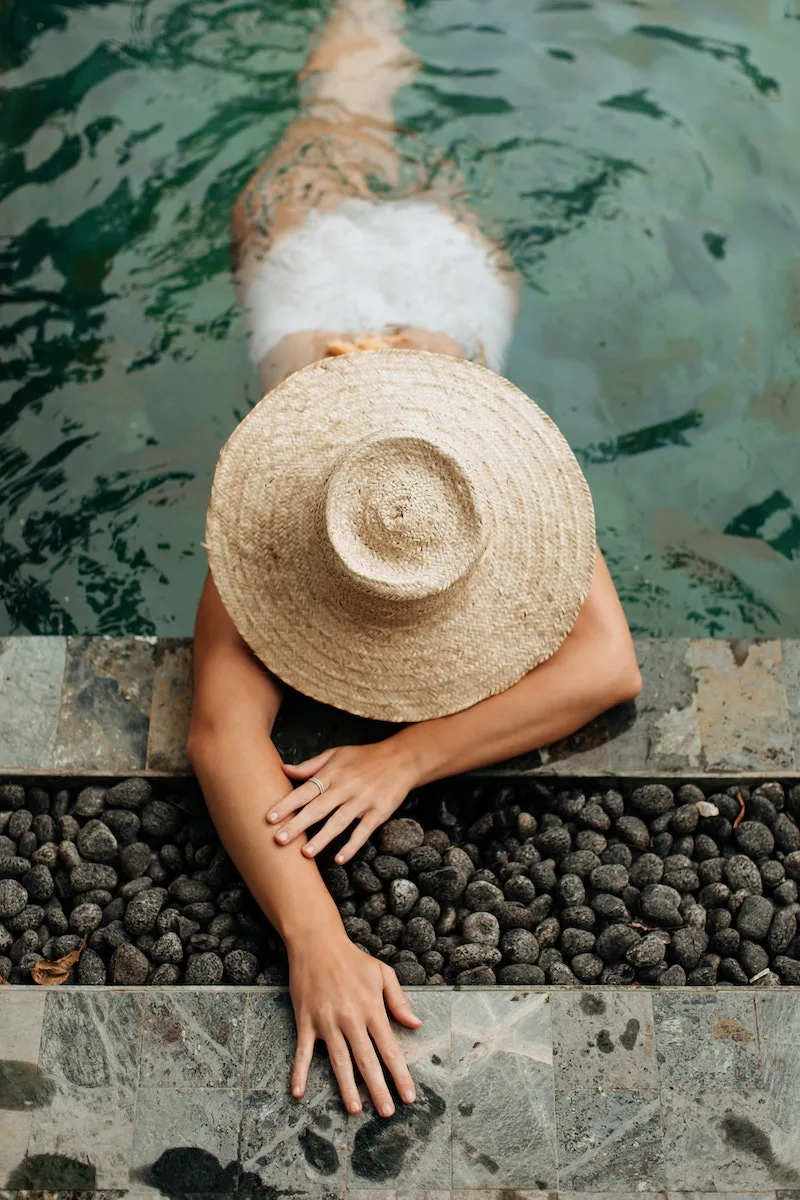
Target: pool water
x=643 y=163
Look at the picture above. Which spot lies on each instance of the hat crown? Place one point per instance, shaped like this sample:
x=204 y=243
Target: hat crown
x=403 y=516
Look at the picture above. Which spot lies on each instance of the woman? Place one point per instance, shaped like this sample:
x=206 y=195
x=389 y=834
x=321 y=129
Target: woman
x=468 y=521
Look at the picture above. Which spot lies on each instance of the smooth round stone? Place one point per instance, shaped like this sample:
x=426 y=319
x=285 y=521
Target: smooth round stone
x=521 y=975
x=403 y=895
x=85 y=918
x=166 y=975
x=240 y=967
x=123 y=824
x=615 y=941
x=731 y=969
x=726 y=942
x=91 y=970
x=188 y=891
x=660 y=906
x=786 y=833
x=160 y=819
x=389 y=866
x=38 y=883
x=410 y=974
x=579 y=915
x=520 y=888
x=611 y=877
x=560 y=975
x=423 y=858
x=571 y=889
x=167 y=949
x=96 y=843
x=481 y=927
x=19 y=823
x=788 y=969
x=364 y=878
x=579 y=862
x=741 y=873
x=129 y=965
x=753 y=958
x=791 y=864
x=143 y=909
x=30 y=917
x=611 y=909
x=474 y=954
x=519 y=946
x=786 y=892
x=755 y=917
x=90 y=802
x=674 y=976
x=633 y=831
x=482 y=896
x=647 y=952
x=432 y=961
x=134 y=860
x=577 y=941
x=446 y=884
x=652 y=800
x=86 y=876
x=782 y=931
x=204 y=970
x=754 y=839
x=131 y=793
x=399 y=836
x=554 y=843
x=419 y=935
x=688 y=947
x=594 y=816
x=587 y=967
x=12 y=796
x=13 y=898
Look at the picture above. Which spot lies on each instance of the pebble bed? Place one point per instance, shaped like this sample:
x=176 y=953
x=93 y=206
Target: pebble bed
x=525 y=884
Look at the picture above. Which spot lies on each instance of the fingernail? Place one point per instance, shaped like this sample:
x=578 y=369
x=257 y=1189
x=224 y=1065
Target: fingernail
x=387 y=1110
x=409 y=1097
x=297 y=1092
x=354 y=1106
x=311 y=849
x=273 y=816
x=282 y=837
x=339 y=858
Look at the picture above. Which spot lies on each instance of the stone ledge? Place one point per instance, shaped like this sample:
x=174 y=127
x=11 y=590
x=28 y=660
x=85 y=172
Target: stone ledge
x=120 y=706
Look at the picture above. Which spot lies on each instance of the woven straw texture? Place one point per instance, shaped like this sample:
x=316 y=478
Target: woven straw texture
x=400 y=534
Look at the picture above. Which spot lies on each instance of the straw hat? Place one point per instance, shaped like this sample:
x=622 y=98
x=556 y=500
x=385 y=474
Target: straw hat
x=400 y=534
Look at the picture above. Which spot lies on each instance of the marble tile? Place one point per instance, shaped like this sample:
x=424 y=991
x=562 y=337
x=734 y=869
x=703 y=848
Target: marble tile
x=503 y=1063
x=707 y=1038
x=193 y=1039
x=31 y=671
x=293 y=1145
x=93 y=1039
x=105 y=704
x=722 y=1195
x=413 y=1146
x=611 y=1195
x=270 y=1040
x=790 y=669
x=603 y=1039
x=172 y=706
x=664 y=734
x=778 y=1015
x=741 y=705
x=781 y=1065
x=89 y=1130
x=720 y=1141
x=187 y=1141
x=15 y=1132
x=609 y=1141
x=21 y=1017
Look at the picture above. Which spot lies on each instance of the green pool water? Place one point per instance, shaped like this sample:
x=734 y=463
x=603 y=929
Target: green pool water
x=643 y=163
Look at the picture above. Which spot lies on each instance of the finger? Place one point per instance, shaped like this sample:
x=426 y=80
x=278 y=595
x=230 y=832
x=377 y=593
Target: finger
x=396 y=1001
x=297 y=799
x=360 y=836
x=389 y=1050
x=342 y=819
x=311 y=814
x=339 y=1054
x=371 y=1072
x=302 y=1060
x=304 y=770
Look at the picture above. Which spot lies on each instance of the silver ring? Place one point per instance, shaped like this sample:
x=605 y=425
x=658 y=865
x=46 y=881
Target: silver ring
x=319 y=784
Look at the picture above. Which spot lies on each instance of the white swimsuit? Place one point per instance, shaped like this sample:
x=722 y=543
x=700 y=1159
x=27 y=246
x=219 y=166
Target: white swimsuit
x=366 y=265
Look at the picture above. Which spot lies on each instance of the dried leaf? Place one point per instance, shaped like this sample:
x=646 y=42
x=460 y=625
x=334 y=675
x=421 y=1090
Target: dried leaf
x=707 y=809
x=51 y=974
x=3 y=981
x=760 y=975
x=740 y=817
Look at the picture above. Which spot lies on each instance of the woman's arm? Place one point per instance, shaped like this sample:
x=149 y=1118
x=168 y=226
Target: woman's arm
x=594 y=670
x=339 y=993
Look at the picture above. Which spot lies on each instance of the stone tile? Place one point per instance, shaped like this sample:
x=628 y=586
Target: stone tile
x=293 y=1145
x=93 y=1039
x=21 y=1017
x=781 y=1065
x=741 y=705
x=91 y=1129
x=187 y=1141
x=611 y=1195
x=708 y=1038
x=719 y=1141
x=500 y=1194
x=172 y=706
x=193 y=1040
x=270 y=1040
x=609 y=1141
x=413 y=1146
x=790 y=669
x=105 y=704
x=31 y=671
x=503 y=1064
x=604 y=1040
x=722 y=1195
x=662 y=732
x=22 y=1086
x=778 y=1015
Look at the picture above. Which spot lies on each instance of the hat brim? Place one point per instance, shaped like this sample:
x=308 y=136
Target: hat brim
x=523 y=597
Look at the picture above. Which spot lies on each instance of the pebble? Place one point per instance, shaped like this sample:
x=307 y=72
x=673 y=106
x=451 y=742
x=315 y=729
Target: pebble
x=612 y=877
x=660 y=906
x=755 y=917
x=754 y=839
x=13 y=898
x=652 y=800
x=167 y=949
x=403 y=895
x=399 y=836
x=204 y=970
x=648 y=951
x=633 y=831
x=615 y=941
x=410 y=974
x=240 y=967
x=419 y=935
x=131 y=793
x=742 y=874
x=128 y=965
x=140 y=915
x=521 y=975
x=481 y=927
x=446 y=884
x=96 y=843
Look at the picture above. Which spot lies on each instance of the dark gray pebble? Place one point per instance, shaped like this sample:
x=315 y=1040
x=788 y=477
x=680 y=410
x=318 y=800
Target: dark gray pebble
x=577 y=941
x=753 y=958
x=741 y=873
x=410 y=974
x=204 y=970
x=399 y=836
x=660 y=906
x=403 y=895
x=579 y=862
x=240 y=967
x=128 y=965
x=13 y=898
x=652 y=800
x=131 y=793
x=755 y=917
x=615 y=941
x=419 y=935
x=633 y=831
x=754 y=839
x=612 y=877
x=648 y=951
x=788 y=969
x=364 y=878
x=143 y=909
x=521 y=975
x=159 y=819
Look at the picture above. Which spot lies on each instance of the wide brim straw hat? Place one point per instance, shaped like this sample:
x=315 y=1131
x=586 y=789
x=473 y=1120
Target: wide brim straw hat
x=400 y=534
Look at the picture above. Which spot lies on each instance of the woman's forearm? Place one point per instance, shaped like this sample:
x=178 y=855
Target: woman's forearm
x=593 y=670
x=241 y=777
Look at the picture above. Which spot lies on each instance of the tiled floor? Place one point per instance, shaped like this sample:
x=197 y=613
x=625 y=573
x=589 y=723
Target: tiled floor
x=620 y=1093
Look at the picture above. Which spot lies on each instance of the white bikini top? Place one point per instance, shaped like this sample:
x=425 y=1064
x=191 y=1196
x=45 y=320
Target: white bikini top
x=366 y=265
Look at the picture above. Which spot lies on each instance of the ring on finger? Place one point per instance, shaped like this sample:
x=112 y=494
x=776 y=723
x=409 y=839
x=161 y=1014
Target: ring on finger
x=319 y=783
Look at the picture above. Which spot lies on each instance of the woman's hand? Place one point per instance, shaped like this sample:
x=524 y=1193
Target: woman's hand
x=340 y=995
x=362 y=783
